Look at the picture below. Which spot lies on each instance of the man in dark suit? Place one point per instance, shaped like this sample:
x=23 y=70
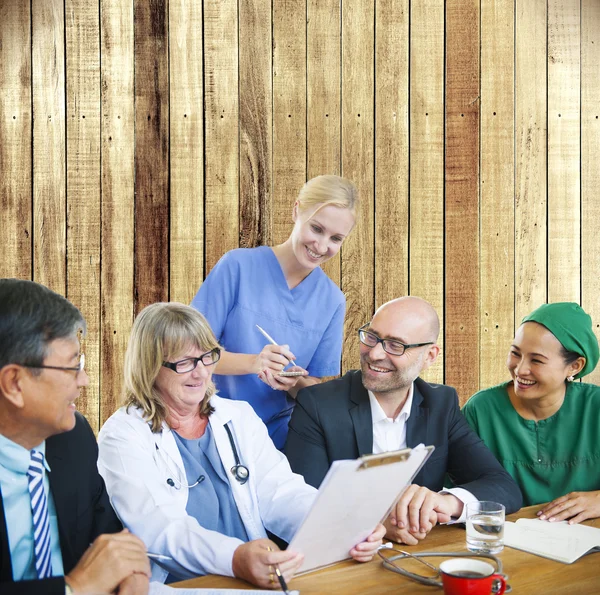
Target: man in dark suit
x=53 y=503
x=385 y=406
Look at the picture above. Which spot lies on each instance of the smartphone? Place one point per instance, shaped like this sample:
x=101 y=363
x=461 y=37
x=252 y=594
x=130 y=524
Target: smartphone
x=290 y=374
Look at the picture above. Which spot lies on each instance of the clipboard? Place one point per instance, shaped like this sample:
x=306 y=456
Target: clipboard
x=354 y=496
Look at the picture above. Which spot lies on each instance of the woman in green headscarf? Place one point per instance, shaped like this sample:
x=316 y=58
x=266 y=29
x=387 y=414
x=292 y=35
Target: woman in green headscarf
x=542 y=426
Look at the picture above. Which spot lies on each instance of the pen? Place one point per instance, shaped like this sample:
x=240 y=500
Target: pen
x=271 y=340
x=154 y=556
x=282 y=582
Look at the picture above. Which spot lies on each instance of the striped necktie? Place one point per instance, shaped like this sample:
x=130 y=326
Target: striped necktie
x=39 y=510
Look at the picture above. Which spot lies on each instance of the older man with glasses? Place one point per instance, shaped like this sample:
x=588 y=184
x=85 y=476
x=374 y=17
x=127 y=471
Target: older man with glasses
x=385 y=406
x=58 y=532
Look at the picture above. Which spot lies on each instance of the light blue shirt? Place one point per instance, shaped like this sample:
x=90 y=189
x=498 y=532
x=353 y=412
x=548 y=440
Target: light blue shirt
x=248 y=287
x=14 y=462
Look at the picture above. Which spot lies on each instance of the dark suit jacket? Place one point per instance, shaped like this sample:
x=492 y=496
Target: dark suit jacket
x=82 y=507
x=333 y=421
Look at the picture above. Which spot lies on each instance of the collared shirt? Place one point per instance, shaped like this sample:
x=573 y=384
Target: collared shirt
x=390 y=434
x=14 y=463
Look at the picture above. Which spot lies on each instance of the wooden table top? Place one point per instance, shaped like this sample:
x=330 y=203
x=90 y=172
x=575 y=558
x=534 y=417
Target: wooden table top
x=527 y=574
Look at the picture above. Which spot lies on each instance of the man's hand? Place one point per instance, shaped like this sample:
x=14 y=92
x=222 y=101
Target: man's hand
x=108 y=562
x=255 y=561
x=134 y=584
x=417 y=512
x=365 y=550
x=399 y=535
x=576 y=506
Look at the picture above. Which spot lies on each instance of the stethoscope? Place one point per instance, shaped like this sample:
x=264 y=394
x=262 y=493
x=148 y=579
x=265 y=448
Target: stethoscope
x=239 y=471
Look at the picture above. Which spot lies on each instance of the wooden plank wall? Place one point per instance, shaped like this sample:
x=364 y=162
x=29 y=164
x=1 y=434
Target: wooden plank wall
x=140 y=141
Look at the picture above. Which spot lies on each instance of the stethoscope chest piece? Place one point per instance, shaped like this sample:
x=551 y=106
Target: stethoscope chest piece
x=241 y=473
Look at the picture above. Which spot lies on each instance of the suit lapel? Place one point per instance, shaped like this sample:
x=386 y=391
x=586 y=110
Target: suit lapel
x=6 y=574
x=416 y=427
x=360 y=412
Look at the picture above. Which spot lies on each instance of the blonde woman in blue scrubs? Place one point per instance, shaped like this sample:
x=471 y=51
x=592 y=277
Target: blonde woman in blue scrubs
x=283 y=290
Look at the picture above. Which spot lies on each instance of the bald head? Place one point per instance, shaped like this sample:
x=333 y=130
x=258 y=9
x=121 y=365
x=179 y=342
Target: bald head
x=411 y=316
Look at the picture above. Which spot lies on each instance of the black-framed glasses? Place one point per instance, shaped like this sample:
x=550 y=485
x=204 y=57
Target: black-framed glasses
x=79 y=368
x=189 y=363
x=391 y=346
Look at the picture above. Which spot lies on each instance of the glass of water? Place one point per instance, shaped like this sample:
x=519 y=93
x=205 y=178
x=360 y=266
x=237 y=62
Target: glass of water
x=485 y=527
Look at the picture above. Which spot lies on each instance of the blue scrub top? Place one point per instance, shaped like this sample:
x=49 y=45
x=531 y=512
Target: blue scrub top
x=248 y=287
x=211 y=501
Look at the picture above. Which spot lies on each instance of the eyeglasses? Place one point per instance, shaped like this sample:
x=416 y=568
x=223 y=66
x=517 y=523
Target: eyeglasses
x=78 y=369
x=391 y=346
x=189 y=363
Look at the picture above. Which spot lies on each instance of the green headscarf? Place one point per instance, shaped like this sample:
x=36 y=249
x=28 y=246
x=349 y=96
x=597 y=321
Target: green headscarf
x=570 y=324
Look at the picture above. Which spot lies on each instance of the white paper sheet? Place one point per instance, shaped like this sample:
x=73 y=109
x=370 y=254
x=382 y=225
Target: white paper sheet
x=350 y=503
x=160 y=589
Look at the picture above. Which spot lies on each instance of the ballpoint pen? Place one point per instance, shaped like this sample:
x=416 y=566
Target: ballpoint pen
x=271 y=340
x=282 y=582
x=154 y=556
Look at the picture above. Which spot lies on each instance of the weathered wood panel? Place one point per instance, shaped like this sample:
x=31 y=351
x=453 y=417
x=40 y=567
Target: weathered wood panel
x=116 y=210
x=256 y=123
x=221 y=129
x=49 y=147
x=391 y=150
x=151 y=46
x=323 y=92
x=289 y=112
x=462 y=196
x=117 y=170
x=564 y=184
x=358 y=65
x=497 y=307
x=83 y=184
x=186 y=141
x=590 y=158
x=15 y=139
x=531 y=157
x=426 y=247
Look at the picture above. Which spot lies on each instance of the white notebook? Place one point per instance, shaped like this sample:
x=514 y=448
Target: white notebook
x=557 y=541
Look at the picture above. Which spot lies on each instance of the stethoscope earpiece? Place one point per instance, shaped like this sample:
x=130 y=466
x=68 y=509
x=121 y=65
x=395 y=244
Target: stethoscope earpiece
x=171 y=482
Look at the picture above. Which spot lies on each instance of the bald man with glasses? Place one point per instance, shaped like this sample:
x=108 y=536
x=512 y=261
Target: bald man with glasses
x=58 y=532
x=385 y=406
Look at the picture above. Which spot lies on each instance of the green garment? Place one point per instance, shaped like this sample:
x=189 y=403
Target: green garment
x=548 y=458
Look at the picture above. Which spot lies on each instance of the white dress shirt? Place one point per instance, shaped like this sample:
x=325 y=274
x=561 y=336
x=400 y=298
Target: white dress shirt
x=390 y=434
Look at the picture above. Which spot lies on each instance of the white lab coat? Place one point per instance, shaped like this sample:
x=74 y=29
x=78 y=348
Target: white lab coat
x=136 y=465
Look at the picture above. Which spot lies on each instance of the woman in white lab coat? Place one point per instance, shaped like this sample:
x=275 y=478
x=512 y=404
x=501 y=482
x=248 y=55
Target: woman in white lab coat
x=196 y=476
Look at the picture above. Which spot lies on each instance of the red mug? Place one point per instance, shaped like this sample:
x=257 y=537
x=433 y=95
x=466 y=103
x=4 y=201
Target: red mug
x=467 y=576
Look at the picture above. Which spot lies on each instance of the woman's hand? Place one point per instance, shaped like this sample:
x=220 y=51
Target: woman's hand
x=255 y=562
x=273 y=357
x=271 y=361
x=576 y=506
x=365 y=550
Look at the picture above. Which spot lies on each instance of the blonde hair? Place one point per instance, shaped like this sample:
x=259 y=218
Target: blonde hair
x=328 y=190
x=160 y=332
